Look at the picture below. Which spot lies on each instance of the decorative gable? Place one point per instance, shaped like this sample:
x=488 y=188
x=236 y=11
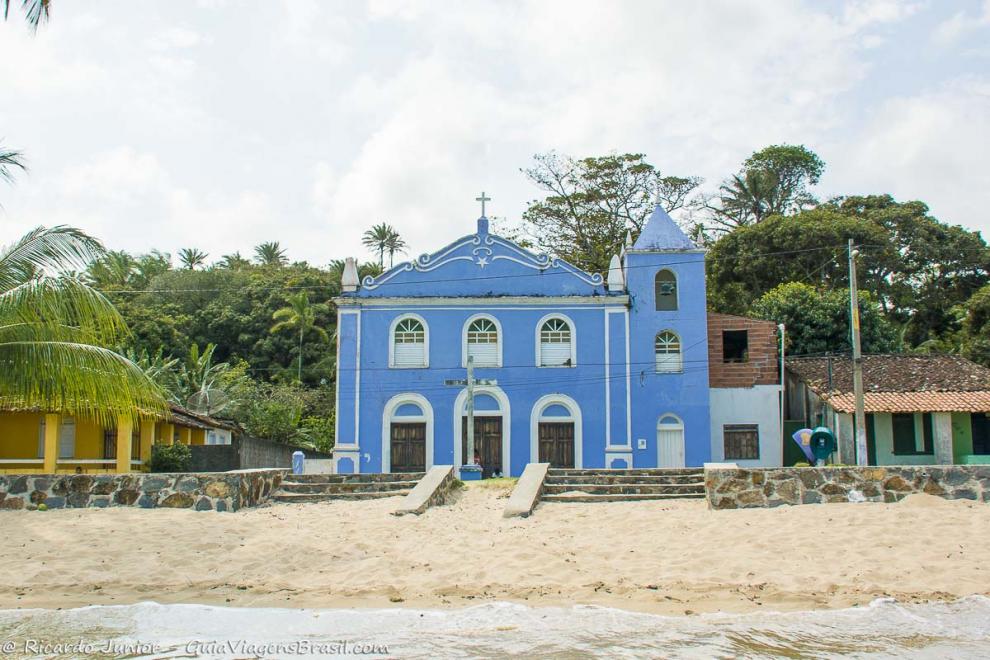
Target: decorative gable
x=483 y=264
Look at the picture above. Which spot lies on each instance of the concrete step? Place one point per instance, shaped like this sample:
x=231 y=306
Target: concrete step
x=355 y=478
x=567 y=472
x=301 y=498
x=345 y=487
x=583 y=497
x=626 y=489
x=625 y=479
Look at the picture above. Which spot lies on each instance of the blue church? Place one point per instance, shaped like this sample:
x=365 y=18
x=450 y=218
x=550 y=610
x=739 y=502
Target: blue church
x=575 y=369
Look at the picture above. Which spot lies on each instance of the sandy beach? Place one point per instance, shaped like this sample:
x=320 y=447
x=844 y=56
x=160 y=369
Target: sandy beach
x=669 y=557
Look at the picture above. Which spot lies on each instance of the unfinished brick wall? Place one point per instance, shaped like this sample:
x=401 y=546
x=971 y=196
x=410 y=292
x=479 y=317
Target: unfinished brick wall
x=762 y=366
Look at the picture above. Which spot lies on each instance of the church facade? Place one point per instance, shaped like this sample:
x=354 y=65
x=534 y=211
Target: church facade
x=573 y=368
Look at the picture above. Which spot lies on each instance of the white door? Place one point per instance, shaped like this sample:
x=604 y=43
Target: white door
x=670 y=440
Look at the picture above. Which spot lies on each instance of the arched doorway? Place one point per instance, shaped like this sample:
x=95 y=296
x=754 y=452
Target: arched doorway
x=670 y=442
x=556 y=432
x=491 y=429
x=407 y=434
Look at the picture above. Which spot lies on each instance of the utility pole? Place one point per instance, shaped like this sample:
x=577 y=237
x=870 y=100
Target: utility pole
x=469 y=459
x=860 y=421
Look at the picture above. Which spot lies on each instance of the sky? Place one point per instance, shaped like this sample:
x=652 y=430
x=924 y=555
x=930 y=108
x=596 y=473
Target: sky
x=220 y=124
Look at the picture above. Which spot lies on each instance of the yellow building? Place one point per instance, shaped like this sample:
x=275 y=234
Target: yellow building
x=33 y=442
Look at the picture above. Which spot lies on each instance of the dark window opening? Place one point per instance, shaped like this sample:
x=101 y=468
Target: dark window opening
x=742 y=441
x=906 y=437
x=735 y=345
x=980 y=425
x=666 y=291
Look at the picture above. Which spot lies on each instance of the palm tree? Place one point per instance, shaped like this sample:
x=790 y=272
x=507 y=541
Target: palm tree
x=10 y=159
x=377 y=239
x=191 y=257
x=394 y=244
x=197 y=380
x=751 y=197
x=234 y=261
x=35 y=11
x=114 y=269
x=300 y=316
x=270 y=254
x=54 y=333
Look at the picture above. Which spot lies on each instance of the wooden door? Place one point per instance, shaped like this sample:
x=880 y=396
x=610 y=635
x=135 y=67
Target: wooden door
x=409 y=447
x=487 y=443
x=671 y=441
x=557 y=444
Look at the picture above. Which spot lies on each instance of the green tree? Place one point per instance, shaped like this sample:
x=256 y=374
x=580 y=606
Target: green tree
x=592 y=203
x=299 y=316
x=817 y=321
x=114 y=269
x=234 y=261
x=191 y=258
x=772 y=181
x=807 y=247
x=378 y=238
x=270 y=254
x=976 y=327
x=9 y=160
x=394 y=244
x=55 y=330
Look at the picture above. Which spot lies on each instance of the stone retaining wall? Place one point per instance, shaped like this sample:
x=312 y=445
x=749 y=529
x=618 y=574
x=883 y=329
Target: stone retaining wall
x=218 y=491
x=770 y=487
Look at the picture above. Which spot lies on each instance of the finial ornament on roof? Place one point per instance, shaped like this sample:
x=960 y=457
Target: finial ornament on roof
x=629 y=241
x=616 y=278
x=349 y=278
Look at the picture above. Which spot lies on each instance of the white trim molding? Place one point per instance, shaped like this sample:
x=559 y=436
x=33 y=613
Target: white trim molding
x=458 y=301
x=391 y=341
x=503 y=412
x=388 y=416
x=498 y=346
x=536 y=416
x=539 y=330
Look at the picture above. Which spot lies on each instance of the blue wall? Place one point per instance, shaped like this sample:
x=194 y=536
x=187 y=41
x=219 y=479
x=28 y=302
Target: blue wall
x=613 y=382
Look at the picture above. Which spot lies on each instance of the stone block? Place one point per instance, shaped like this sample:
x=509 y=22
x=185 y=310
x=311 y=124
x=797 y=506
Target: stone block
x=897 y=483
x=217 y=489
x=155 y=482
x=80 y=483
x=12 y=503
x=811 y=497
x=126 y=497
x=833 y=489
x=38 y=496
x=54 y=502
x=18 y=485
x=204 y=504
x=751 y=498
x=179 y=500
x=963 y=494
x=79 y=500
x=103 y=485
x=187 y=484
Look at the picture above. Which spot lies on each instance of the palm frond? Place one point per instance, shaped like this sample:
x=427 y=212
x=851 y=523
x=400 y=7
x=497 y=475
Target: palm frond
x=75 y=379
x=63 y=302
x=52 y=250
x=35 y=11
x=10 y=159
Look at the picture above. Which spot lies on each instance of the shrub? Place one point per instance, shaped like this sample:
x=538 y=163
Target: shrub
x=170 y=458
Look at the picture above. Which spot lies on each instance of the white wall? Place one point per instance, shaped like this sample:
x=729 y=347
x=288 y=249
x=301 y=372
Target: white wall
x=748 y=405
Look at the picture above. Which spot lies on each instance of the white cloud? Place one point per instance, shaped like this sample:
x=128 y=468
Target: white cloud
x=960 y=25
x=927 y=146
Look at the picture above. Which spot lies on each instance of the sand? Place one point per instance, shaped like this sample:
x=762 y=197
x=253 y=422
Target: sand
x=672 y=557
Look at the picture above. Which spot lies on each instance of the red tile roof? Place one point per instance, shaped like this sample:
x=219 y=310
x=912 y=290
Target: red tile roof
x=899 y=383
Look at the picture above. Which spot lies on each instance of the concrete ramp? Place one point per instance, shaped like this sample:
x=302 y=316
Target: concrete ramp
x=432 y=489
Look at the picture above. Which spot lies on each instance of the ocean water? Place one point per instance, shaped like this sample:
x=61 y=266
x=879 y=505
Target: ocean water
x=884 y=629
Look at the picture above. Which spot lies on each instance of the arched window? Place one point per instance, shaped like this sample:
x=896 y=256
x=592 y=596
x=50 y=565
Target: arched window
x=556 y=343
x=482 y=343
x=668 y=351
x=666 y=291
x=409 y=345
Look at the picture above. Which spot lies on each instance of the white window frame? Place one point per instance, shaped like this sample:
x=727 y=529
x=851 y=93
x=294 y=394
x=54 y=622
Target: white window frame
x=391 y=342
x=498 y=344
x=680 y=353
x=677 y=291
x=539 y=341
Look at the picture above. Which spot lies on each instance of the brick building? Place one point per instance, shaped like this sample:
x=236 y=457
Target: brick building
x=744 y=382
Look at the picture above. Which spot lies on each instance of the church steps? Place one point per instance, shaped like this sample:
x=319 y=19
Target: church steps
x=346 y=487
x=624 y=497
x=355 y=478
x=301 y=488
x=697 y=488
x=600 y=485
x=638 y=472
x=308 y=498
x=658 y=479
